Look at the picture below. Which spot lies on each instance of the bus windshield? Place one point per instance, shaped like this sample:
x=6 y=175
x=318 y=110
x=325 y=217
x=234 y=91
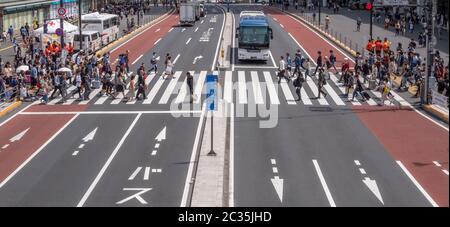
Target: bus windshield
x=253 y=37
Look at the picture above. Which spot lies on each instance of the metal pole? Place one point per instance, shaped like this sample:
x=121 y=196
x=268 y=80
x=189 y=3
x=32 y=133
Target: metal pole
x=138 y=12
x=61 y=25
x=371 y=18
x=211 y=152
x=79 y=25
x=319 y=11
x=430 y=54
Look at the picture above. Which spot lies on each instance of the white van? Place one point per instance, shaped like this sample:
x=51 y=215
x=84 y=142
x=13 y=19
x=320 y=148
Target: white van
x=92 y=40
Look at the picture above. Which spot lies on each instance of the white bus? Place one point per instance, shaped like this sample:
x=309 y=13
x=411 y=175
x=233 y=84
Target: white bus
x=91 y=40
x=106 y=24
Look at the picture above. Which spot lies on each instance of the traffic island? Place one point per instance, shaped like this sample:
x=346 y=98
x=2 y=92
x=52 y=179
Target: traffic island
x=437 y=112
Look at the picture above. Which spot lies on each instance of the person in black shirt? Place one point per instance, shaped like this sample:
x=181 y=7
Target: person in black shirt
x=319 y=62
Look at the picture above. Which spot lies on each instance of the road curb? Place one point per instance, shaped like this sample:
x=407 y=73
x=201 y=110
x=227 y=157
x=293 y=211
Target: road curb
x=130 y=35
x=10 y=108
x=436 y=112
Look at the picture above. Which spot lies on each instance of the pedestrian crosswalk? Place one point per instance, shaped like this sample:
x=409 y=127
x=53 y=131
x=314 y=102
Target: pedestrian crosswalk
x=240 y=87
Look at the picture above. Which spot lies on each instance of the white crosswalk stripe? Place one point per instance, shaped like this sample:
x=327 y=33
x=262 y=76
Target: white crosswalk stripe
x=271 y=89
x=57 y=100
x=170 y=88
x=256 y=88
x=240 y=86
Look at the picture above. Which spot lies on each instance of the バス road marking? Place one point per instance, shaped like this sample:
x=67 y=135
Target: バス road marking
x=421 y=189
x=137 y=195
x=188 y=41
x=137 y=59
x=324 y=183
x=147 y=173
x=108 y=162
x=192 y=160
x=157 y=41
x=135 y=173
x=37 y=151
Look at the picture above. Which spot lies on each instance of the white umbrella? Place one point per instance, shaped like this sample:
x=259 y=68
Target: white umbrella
x=22 y=68
x=64 y=69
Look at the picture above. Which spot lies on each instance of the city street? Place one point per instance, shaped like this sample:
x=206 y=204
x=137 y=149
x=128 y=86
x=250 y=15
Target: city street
x=281 y=152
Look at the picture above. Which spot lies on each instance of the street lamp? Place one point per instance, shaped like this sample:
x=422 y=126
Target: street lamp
x=79 y=25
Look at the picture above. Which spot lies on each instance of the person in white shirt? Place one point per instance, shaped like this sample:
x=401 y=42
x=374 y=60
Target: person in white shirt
x=282 y=70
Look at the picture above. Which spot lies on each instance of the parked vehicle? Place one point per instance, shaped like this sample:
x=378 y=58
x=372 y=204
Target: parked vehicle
x=188 y=14
x=92 y=40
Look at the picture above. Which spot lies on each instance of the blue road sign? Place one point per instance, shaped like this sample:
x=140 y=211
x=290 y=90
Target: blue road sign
x=211 y=91
x=59 y=32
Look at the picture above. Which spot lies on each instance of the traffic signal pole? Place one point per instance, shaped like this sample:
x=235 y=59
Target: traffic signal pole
x=61 y=21
x=79 y=25
x=371 y=18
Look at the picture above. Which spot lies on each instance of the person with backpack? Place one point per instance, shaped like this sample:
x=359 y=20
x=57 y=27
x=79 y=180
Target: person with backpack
x=333 y=60
x=153 y=63
x=320 y=83
x=297 y=62
x=358 y=89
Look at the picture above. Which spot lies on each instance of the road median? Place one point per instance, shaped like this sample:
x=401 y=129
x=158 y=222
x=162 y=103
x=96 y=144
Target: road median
x=8 y=108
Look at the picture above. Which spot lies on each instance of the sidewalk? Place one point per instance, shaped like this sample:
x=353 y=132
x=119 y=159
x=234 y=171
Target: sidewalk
x=343 y=27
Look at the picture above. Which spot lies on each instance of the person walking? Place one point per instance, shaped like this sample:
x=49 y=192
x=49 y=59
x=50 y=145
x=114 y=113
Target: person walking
x=358 y=89
x=320 y=83
x=358 y=24
x=307 y=66
x=333 y=60
x=190 y=84
x=298 y=83
x=297 y=62
x=131 y=87
x=169 y=68
x=78 y=83
x=154 y=63
x=282 y=70
x=319 y=62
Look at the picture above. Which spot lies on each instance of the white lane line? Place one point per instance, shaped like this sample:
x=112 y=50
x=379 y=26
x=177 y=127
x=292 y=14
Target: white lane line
x=108 y=162
x=170 y=88
x=199 y=86
x=68 y=91
x=157 y=30
x=192 y=160
x=273 y=60
x=159 y=170
x=274 y=169
x=154 y=152
x=445 y=171
x=273 y=161
x=281 y=25
x=176 y=59
x=147 y=173
x=357 y=163
x=113 y=112
x=242 y=88
x=135 y=173
x=137 y=59
x=271 y=89
x=196 y=29
x=81 y=146
x=421 y=189
x=231 y=168
x=5 y=146
x=228 y=87
x=37 y=151
x=437 y=164
x=132 y=38
x=324 y=183
x=362 y=171
x=216 y=55
x=75 y=153
x=314 y=89
x=157 y=145
x=334 y=95
x=233 y=43
x=154 y=90
x=157 y=41
x=256 y=88
x=170 y=29
x=121 y=97
x=202 y=21
x=342 y=89
x=188 y=41
x=287 y=92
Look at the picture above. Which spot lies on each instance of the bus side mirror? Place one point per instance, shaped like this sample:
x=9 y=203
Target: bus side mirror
x=237 y=32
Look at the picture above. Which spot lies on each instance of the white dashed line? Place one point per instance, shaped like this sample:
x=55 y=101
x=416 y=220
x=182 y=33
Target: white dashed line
x=157 y=41
x=274 y=169
x=362 y=171
x=357 y=163
x=273 y=161
x=188 y=41
x=437 y=163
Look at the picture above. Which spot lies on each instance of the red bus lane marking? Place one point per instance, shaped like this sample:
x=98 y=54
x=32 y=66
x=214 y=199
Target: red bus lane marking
x=308 y=39
x=145 y=41
x=414 y=141
x=56 y=108
x=41 y=129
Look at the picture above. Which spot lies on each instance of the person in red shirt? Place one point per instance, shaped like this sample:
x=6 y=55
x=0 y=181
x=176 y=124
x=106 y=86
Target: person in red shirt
x=69 y=48
x=370 y=45
x=378 y=47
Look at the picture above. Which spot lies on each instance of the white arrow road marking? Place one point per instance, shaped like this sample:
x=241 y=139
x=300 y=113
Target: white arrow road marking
x=161 y=135
x=19 y=136
x=90 y=136
x=196 y=58
x=372 y=185
x=135 y=173
x=137 y=195
x=278 y=185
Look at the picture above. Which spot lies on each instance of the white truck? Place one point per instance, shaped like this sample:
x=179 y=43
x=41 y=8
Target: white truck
x=189 y=13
